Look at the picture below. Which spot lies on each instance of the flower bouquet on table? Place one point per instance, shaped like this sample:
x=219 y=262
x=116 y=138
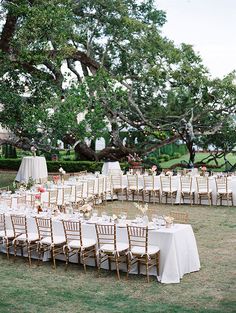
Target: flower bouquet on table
x=86 y=209
x=143 y=209
x=203 y=170
x=38 y=203
x=153 y=170
x=55 y=179
x=134 y=159
x=169 y=221
x=62 y=173
x=33 y=150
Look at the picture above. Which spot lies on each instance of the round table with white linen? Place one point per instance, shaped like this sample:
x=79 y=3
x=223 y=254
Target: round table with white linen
x=110 y=166
x=32 y=167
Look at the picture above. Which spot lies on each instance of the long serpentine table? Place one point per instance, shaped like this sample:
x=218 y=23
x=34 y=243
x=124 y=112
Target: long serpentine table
x=178 y=248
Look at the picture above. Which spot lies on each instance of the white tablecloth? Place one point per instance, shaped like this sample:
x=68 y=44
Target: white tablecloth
x=34 y=167
x=109 y=166
x=178 y=248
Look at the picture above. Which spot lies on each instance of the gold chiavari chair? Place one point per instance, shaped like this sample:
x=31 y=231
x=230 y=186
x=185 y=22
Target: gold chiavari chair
x=6 y=235
x=179 y=217
x=117 y=185
x=203 y=190
x=90 y=191
x=23 y=238
x=150 y=189
x=186 y=189
x=66 y=195
x=52 y=198
x=99 y=194
x=140 y=252
x=4 y=189
x=48 y=242
x=222 y=191
x=108 y=192
x=167 y=188
x=6 y=200
x=133 y=187
x=76 y=243
x=109 y=249
x=79 y=194
x=21 y=201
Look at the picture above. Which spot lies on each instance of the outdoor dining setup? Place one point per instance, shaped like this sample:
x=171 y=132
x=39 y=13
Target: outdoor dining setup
x=64 y=218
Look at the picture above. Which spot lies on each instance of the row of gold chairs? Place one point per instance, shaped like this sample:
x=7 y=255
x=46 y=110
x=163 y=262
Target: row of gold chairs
x=106 y=247
x=168 y=190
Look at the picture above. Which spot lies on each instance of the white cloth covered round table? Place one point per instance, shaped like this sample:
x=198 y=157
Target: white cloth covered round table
x=34 y=167
x=109 y=166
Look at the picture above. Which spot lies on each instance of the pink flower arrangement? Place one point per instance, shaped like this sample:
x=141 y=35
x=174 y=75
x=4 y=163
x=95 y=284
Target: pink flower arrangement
x=203 y=168
x=55 y=178
x=37 y=197
x=154 y=168
x=41 y=189
x=134 y=158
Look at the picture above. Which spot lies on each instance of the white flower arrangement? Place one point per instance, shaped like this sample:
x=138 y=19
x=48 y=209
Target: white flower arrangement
x=168 y=219
x=143 y=209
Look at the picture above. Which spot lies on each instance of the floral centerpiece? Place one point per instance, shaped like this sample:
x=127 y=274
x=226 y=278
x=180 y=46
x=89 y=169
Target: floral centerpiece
x=33 y=150
x=55 y=179
x=153 y=170
x=141 y=208
x=134 y=159
x=38 y=203
x=203 y=170
x=86 y=209
x=169 y=221
x=62 y=172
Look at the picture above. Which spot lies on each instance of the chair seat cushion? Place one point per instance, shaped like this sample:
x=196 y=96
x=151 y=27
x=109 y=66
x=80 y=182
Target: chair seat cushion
x=205 y=191
x=187 y=190
x=31 y=237
x=75 y=244
x=110 y=247
x=57 y=240
x=141 y=250
x=168 y=190
x=9 y=234
x=229 y=191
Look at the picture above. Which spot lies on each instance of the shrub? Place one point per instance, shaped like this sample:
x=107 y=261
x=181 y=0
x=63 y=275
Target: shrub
x=53 y=166
x=166 y=157
x=176 y=155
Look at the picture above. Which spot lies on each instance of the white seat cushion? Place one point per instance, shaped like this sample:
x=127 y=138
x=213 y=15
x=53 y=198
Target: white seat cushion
x=75 y=244
x=31 y=237
x=9 y=234
x=110 y=247
x=141 y=250
x=57 y=240
x=168 y=190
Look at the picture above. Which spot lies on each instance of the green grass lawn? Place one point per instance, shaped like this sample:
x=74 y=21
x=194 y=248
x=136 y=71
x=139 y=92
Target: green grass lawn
x=199 y=156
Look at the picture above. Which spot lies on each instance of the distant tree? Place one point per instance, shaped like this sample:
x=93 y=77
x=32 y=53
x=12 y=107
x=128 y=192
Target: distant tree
x=111 y=65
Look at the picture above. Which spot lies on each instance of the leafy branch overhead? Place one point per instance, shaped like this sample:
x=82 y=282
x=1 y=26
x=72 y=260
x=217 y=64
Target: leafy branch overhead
x=119 y=78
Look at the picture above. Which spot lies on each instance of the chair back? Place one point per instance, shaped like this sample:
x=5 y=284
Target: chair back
x=179 y=217
x=66 y=194
x=202 y=184
x=100 y=185
x=52 y=197
x=132 y=181
x=90 y=187
x=4 y=189
x=2 y=223
x=138 y=237
x=21 y=201
x=106 y=234
x=186 y=183
x=116 y=181
x=107 y=183
x=6 y=201
x=72 y=230
x=221 y=184
x=166 y=183
x=148 y=182
x=19 y=225
x=44 y=227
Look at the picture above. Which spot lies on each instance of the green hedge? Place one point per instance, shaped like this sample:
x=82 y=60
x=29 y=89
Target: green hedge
x=53 y=166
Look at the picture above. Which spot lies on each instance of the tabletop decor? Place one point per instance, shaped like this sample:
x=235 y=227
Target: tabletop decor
x=33 y=150
x=169 y=221
x=38 y=203
x=55 y=179
x=62 y=173
x=203 y=170
x=86 y=209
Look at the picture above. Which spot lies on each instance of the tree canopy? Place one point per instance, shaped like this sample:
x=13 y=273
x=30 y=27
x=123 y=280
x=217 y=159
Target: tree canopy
x=115 y=72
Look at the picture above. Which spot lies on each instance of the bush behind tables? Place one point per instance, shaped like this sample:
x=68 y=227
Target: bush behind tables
x=53 y=166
